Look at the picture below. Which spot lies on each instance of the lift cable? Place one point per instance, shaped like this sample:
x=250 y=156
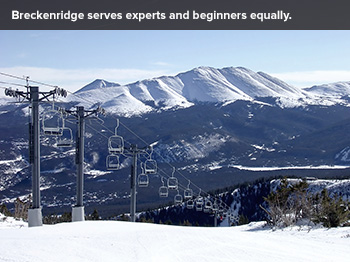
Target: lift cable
x=137 y=136
x=166 y=175
x=91 y=102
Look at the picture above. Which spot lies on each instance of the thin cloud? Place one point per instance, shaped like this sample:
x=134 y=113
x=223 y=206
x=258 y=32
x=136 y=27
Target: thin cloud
x=160 y=63
x=309 y=78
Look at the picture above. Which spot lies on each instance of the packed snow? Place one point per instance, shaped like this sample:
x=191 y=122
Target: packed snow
x=125 y=241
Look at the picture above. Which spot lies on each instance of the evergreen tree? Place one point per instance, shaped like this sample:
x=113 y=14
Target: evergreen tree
x=4 y=210
x=95 y=215
x=331 y=212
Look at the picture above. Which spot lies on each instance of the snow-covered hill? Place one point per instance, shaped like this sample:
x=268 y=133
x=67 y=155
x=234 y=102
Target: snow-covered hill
x=125 y=241
x=204 y=84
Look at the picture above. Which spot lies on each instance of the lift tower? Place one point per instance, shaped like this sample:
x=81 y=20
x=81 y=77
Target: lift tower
x=35 y=97
x=134 y=151
x=81 y=114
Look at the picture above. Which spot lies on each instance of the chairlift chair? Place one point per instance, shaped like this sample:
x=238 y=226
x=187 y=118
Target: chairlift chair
x=116 y=142
x=52 y=122
x=66 y=139
x=178 y=198
x=172 y=181
x=150 y=166
x=143 y=180
x=163 y=190
x=112 y=162
x=215 y=206
x=221 y=208
x=190 y=204
x=233 y=218
x=207 y=206
x=188 y=192
x=199 y=204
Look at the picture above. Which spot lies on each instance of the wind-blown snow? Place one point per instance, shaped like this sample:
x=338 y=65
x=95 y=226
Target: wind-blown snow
x=125 y=241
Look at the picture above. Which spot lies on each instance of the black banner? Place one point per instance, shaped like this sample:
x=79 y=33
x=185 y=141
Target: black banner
x=171 y=14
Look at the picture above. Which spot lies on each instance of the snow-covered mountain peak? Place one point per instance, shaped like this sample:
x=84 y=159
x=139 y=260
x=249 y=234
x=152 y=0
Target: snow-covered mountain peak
x=96 y=84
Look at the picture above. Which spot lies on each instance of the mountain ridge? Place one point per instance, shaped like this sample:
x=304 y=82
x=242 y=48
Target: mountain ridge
x=206 y=85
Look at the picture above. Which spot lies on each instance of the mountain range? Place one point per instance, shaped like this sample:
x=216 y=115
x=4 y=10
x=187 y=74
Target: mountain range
x=205 y=84
x=213 y=125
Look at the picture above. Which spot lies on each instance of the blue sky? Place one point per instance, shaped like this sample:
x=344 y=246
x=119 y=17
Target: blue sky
x=71 y=59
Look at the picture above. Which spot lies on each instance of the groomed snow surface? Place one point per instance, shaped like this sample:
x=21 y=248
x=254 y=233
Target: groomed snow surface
x=125 y=241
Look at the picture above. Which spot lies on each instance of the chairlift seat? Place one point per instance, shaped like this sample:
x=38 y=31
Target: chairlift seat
x=163 y=191
x=66 y=138
x=178 y=199
x=150 y=166
x=116 y=144
x=52 y=123
x=207 y=206
x=190 y=204
x=188 y=193
x=199 y=207
x=172 y=183
x=143 y=180
x=199 y=204
x=64 y=143
x=53 y=132
x=112 y=162
x=215 y=206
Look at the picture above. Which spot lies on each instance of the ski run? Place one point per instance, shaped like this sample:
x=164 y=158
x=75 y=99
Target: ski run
x=125 y=241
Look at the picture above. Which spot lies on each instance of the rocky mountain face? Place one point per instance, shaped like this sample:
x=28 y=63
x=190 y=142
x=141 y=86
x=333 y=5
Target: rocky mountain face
x=211 y=124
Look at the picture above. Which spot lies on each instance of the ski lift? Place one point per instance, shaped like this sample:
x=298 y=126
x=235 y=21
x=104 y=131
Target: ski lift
x=190 y=204
x=221 y=208
x=199 y=202
x=207 y=206
x=215 y=206
x=172 y=181
x=66 y=139
x=150 y=165
x=178 y=198
x=112 y=162
x=143 y=179
x=233 y=218
x=188 y=193
x=52 y=122
x=163 y=190
x=115 y=142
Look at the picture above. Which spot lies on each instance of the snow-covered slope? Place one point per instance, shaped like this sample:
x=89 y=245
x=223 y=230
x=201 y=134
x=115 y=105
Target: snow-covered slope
x=125 y=241
x=98 y=83
x=338 y=89
x=204 y=84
